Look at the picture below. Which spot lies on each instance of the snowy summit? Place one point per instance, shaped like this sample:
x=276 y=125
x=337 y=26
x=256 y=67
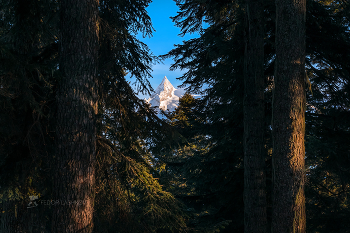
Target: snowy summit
x=166 y=97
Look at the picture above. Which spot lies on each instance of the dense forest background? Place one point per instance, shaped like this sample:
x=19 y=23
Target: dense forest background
x=185 y=172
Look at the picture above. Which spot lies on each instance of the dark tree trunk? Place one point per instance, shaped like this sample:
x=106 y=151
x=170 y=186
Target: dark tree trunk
x=77 y=105
x=255 y=218
x=289 y=118
x=8 y=217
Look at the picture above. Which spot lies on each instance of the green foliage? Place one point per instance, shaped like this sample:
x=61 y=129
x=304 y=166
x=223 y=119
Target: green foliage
x=214 y=60
x=28 y=53
x=214 y=173
x=199 y=173
x=150 y=178
x=327 y=124
x=328 y=174
x=28 y=61
x=128 y=196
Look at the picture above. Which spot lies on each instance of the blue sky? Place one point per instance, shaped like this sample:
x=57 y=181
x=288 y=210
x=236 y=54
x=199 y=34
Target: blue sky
x=163 y=40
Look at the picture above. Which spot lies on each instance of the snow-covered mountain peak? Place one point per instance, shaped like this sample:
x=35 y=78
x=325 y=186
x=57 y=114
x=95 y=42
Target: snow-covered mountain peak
x=166 y=97
x=165 y=85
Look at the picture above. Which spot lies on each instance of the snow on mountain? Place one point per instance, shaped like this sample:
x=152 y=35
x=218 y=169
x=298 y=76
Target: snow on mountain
x=166 y=97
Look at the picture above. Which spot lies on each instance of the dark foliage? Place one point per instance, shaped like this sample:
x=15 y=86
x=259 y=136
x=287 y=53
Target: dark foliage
x=215 y=61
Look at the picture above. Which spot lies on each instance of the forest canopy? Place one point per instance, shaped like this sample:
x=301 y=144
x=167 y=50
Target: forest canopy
x=209 y=166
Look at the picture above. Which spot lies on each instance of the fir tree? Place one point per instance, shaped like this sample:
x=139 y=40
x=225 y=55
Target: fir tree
x=215 y=57
x=289 y=119
x=75 y=150
x=187 y=173
x=326 y=116
x=255 y=216
x=28 y=61
x=127 y=130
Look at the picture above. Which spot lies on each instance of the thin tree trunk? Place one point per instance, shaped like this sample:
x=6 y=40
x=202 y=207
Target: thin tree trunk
x=255 y=218
x=77 y=106
x=289 y=118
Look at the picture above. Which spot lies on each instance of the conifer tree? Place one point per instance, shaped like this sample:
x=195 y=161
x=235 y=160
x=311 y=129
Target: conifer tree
x=28 y=60
x=289 y=119
x=131 y=141
x=218 y=176
x=76 y=121
x=327 y=116
x=327 y=69
x=126 y=132
x=128 y=194
x=255 y=216
x=188 y=170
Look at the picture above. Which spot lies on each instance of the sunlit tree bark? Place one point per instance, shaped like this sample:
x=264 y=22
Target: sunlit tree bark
x=77 y=105
x=289 y=118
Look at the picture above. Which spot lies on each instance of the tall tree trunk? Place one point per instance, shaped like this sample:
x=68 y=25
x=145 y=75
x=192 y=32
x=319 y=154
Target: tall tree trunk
x=289 y=118
x=77 y=106
x=255 y=218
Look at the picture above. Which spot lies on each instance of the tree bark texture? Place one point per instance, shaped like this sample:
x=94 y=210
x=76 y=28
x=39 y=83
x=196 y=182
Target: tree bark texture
x=77 y=106
x=255 y=218
x=289 y=118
